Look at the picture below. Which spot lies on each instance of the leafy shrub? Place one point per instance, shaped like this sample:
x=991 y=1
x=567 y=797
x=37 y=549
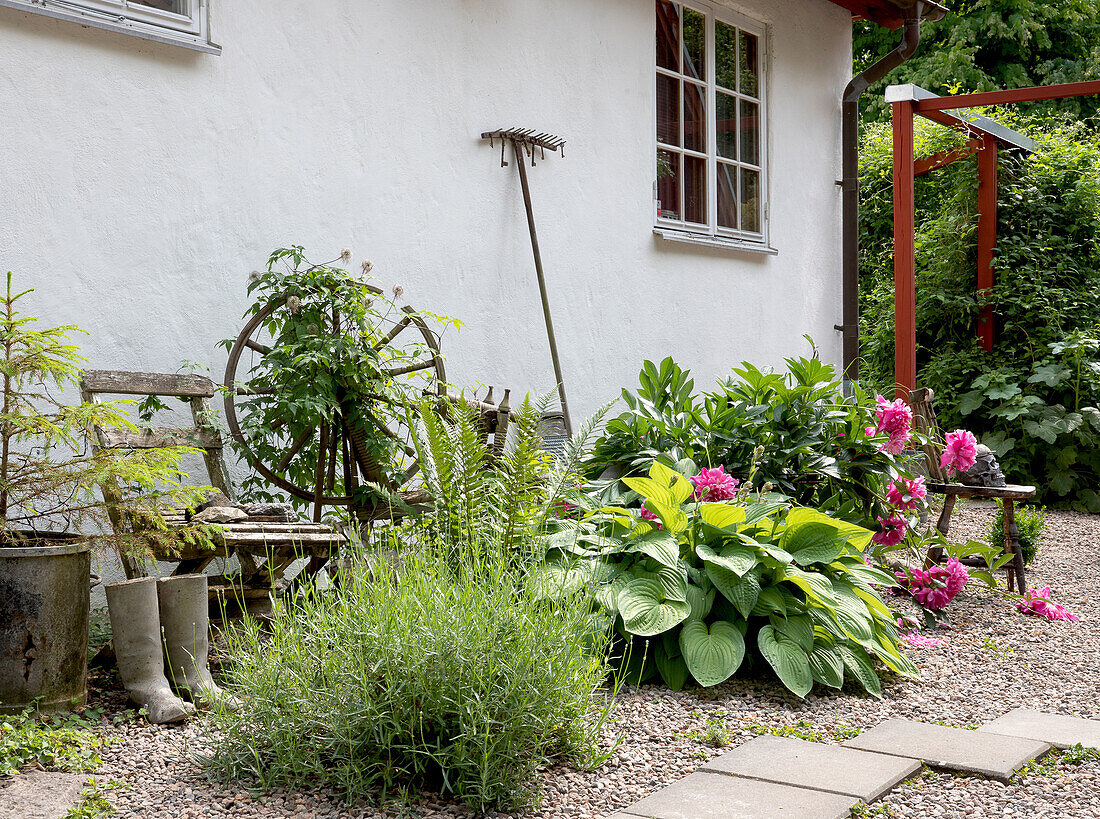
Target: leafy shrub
x=798 y=430
x=65 y=743
x=715 y=582
x=1034 y=399
x=1031 y=521
x=436 y=665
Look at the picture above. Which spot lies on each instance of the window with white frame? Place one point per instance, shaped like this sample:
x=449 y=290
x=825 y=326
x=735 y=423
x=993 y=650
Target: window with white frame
x=176 y=21
x=711 y=139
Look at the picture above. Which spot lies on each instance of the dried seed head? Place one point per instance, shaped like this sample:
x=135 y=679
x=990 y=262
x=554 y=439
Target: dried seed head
x=294 y=304
x=254 y=276
x=312 y=328
x=398 y=291
x=367 y=266
x=345 y=255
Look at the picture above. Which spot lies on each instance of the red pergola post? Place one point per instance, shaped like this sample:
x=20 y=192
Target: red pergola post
x=987 y=236
x=905 y=256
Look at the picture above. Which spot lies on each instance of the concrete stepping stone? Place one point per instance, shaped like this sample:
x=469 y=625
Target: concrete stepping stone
x=1060 y=731
x=790 y=761
x=991 y=755
x=720 y=796
x=40 y=795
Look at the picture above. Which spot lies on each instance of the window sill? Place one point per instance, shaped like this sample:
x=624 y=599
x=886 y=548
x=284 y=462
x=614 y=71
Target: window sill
x=111 y=23
x=674 y=235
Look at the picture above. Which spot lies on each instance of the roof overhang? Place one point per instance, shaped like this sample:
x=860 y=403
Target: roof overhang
x=891 y=13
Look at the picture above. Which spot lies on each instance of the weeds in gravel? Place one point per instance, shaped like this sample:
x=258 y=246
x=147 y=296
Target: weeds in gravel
x=803 y=729
x=842 y=732
x=996 y=648
x=93 y=802
x=1056 y=762
x=862 y=809
x=717 y=734
x=437 y=664
x=65 y=743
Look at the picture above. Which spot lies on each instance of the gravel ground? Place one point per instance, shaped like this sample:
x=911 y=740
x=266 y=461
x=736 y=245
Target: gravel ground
x=994 y=660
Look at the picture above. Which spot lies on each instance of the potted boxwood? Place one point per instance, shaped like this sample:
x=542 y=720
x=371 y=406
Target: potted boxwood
x=50 y=505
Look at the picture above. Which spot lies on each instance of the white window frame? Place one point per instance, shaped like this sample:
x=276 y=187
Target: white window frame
x=711 y=233
x=190 y=30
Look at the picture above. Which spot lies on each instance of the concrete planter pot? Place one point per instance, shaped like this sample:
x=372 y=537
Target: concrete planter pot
x=44 y=607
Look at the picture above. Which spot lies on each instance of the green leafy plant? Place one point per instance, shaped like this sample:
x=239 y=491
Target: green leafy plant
x=50 y=476
x=718 y=582
x=330 y=359
x=798 y=430
x=1031 y=522
x=62 y=743
x=438 y=664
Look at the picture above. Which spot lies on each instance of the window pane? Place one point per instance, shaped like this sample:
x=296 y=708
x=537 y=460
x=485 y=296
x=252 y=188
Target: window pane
x=727 y=195
x=695 y=189
x=725 y=124
x=750 y=201
x=750 y=132
x=695 y=44
x=725 y=55
x=668 y=185
x=668 y=110
x=750 y=69
x=695 y=117
x=174 y=6
x=668 y=35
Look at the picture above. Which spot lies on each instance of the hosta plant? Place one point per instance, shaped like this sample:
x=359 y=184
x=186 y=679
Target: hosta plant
x=705 y=585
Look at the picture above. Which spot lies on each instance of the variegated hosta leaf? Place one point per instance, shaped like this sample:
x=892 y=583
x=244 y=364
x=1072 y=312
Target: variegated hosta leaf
x=712 y=654
x=788 y=660
x=646 y=611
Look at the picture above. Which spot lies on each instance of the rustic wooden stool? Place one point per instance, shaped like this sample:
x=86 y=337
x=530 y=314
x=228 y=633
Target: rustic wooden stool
x=924 y=418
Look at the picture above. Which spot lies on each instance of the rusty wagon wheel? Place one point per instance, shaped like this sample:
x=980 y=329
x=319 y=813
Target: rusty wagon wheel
x=324 y=460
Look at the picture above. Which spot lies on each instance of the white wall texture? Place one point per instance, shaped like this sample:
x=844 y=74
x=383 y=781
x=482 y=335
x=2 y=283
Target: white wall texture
x=142 y=182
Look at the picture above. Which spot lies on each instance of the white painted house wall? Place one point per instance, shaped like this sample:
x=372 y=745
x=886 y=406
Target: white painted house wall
x=142 y=182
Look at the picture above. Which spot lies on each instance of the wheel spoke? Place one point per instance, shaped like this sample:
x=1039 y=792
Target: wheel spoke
x=392 y=334
x=410 y=368
x=295 y=448
x=262 y=349
x=247 y=390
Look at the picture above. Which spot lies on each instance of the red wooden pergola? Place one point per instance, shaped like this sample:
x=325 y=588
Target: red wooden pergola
x=987 y=139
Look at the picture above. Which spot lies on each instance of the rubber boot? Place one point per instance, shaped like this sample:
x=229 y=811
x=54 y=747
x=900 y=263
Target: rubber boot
x=185 y=618
x=135 y=624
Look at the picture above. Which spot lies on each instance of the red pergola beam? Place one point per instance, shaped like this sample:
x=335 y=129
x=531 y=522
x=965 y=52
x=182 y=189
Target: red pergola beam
x=945 y=158
x=987 y=236
x=1014 y=95
x=905 y=252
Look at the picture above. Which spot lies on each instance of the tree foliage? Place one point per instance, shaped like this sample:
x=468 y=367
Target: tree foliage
x=986 y=45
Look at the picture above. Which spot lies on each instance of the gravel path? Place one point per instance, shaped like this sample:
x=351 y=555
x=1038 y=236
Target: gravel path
x=995 y=660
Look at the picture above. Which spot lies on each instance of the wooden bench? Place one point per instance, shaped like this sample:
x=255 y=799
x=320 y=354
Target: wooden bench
x=265 y=547
x=924 y=418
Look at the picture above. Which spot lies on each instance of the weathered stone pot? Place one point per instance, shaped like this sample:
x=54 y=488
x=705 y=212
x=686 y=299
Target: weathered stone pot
x=44 y=607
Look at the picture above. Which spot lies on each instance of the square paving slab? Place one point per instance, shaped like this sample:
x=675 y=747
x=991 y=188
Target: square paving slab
x=719 y=796
x=1060 y=731
x=791 y=761
x=956 y=749
x=40 y=795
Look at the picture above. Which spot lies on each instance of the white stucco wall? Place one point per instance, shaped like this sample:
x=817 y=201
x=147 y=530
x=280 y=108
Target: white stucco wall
x=142 y=182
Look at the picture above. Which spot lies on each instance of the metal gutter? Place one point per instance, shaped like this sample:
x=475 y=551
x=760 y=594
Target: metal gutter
x=914 y=14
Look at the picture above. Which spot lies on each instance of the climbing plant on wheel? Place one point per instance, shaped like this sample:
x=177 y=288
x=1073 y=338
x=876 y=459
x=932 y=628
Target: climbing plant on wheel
x=319 y=381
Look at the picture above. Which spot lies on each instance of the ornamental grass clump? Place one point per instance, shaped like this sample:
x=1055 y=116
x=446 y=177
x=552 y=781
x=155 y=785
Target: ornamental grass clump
x=437 y=665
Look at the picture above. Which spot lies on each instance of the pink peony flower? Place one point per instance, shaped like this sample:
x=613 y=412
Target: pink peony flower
x=908 y=496
x=650 y=516
x=893 y=530
x=715 y=484
x=1038 y=602
x=937 y=586
x=895 y=418
x=915 y=640
x=960 y=451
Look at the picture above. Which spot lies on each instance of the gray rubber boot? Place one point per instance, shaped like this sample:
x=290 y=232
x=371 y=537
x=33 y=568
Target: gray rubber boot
x=135 y=626
x=185 y=618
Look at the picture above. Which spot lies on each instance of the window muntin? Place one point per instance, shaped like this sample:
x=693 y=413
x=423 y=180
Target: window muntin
x=710 y=152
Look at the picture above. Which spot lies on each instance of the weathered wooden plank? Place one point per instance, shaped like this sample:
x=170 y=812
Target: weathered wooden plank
x=122 y=382
x=159 y=436
x=1010 y=492
x=277 y=538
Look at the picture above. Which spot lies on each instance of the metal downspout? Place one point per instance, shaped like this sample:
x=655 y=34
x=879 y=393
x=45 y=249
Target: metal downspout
x=850 y=183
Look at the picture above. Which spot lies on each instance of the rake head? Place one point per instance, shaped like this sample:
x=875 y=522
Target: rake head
x=527 y=140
